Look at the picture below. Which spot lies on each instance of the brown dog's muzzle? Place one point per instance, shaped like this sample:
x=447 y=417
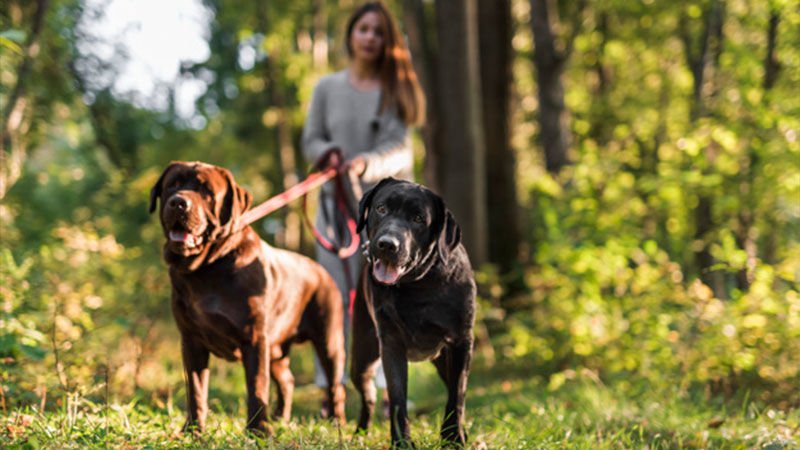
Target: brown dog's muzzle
x=185 y=222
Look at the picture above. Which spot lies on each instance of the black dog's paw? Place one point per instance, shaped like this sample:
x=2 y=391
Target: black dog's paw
x=454 y=437
x=261 y=429
x=404 y=444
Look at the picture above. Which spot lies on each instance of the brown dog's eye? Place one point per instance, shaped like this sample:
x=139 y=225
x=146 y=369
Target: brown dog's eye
x=381 y=209
x=419 y=219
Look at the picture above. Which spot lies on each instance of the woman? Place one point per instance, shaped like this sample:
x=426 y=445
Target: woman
x=363 y=112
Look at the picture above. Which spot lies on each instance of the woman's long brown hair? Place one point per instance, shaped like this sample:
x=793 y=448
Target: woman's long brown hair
x=399 y=80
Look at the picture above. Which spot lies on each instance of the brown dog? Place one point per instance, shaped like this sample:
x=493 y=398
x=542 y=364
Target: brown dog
x=240 y=299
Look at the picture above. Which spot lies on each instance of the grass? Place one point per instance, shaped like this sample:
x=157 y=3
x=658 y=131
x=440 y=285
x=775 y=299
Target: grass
x=506 y=409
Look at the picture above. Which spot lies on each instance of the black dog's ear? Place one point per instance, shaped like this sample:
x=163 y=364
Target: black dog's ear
x=451 y=235
x=155 y=192
x=366 y=202
x=445 y=230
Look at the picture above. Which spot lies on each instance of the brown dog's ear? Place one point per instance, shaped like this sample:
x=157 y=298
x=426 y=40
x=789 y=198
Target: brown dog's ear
x=155 y=192
x=366 y=202
x=237 y=199
x=445 y=231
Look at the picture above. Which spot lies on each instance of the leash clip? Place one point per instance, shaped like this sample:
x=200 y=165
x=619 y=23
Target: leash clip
x=365 y=251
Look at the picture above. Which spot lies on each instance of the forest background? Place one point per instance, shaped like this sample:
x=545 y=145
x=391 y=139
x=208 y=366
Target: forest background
x=626 y=173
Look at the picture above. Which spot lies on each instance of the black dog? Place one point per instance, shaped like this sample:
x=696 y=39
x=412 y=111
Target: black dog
x=416 y=301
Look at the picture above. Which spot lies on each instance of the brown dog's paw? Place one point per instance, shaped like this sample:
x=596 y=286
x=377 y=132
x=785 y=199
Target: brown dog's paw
x=192 y=427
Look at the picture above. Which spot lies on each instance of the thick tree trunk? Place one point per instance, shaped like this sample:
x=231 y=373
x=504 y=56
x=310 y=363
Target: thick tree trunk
x=495 y=35
x=549 y=63
x=425 y=64
x=464 y=183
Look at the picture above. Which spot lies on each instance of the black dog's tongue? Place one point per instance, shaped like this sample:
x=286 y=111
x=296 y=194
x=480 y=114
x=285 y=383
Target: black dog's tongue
x=385 y=273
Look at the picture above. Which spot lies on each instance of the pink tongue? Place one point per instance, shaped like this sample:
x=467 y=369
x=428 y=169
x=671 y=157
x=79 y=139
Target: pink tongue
x=180 y=236
x=384 y=273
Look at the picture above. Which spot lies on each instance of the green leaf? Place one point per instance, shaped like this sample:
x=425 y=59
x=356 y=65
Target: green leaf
x=35 y=353
x=17 y=36
x=11 y=45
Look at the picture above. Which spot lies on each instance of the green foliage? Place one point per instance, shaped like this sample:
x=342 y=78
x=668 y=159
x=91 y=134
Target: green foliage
x=614 y=281
x=622 y=309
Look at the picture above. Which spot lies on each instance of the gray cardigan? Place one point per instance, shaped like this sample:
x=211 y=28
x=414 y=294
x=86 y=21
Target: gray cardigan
x=342 y=116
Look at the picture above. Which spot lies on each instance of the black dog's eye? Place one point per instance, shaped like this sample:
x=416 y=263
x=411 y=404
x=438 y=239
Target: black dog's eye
x=381 y=209
x=419 y=218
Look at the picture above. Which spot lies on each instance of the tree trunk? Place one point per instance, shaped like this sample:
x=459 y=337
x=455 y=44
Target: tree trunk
x=771 y=65
x=320 y=46
x=12 y=139
x=702 y=64
x=291 y=235
x=602 y=115
x=464 y=183
x=549 y=63
x=746 y=233
x=495 y=35
x=425 y=64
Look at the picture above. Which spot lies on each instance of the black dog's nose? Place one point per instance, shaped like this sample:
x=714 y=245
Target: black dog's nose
x=179 y=203
x=388 y=244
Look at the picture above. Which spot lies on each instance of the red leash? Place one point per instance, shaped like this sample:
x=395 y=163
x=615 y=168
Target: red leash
x=341 y=204
x=314 y=181
x=277 y=202
x=342 y=252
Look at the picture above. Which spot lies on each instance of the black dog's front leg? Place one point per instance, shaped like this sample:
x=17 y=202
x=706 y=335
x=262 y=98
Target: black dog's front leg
x=365 y=355
x=453 y=367
x=395 y=366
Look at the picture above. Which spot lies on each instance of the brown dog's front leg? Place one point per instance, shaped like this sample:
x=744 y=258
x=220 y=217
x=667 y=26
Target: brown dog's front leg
x=195 y=366
x=395 y=366
x=256 y=359
x=282 y=375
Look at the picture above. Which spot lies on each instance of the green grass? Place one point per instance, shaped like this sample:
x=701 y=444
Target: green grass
x=506 y=409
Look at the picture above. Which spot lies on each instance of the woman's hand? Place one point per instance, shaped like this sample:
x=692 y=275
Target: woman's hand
x=331 y=158
x=357 y=165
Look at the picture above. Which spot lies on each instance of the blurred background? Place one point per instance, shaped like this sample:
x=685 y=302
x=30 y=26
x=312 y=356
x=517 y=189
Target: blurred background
x=627 y=175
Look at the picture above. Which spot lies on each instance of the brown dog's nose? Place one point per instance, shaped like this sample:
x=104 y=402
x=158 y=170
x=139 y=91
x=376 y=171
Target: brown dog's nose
x=179 y=203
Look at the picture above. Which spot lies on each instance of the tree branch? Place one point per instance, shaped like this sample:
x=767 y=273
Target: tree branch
x=14 y=110
x=30 y=53
x=772 y=66
x=577 y=27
